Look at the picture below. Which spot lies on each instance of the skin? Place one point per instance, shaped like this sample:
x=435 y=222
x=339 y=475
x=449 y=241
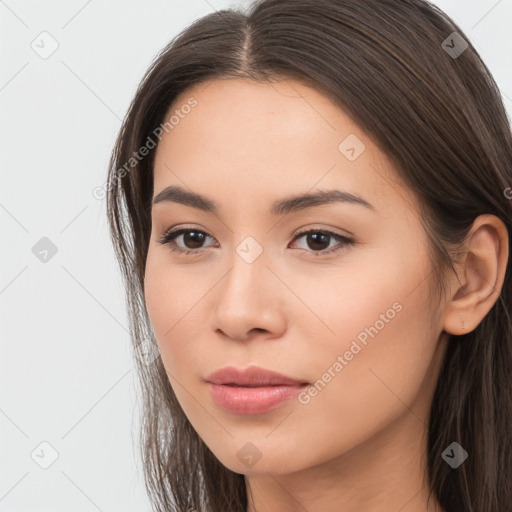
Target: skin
x=359 y=445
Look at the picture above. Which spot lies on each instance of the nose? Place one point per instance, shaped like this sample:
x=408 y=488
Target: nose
x=249 y=302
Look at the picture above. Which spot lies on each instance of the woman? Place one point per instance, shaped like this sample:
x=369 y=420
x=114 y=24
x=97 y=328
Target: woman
x=310 y=205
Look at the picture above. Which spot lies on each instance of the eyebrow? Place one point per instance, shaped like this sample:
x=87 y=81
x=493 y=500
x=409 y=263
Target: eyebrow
x=289 y=204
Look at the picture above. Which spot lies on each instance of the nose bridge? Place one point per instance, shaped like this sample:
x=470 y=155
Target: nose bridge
x=247 y=298
x=248 y=271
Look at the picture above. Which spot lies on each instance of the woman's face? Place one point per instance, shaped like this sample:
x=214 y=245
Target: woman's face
x=350 y=318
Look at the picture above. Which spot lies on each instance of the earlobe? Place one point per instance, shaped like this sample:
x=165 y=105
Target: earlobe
x=482 y=269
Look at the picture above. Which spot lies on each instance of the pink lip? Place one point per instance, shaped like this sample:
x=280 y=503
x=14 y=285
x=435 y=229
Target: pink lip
x=253 y=400
x=253 y=390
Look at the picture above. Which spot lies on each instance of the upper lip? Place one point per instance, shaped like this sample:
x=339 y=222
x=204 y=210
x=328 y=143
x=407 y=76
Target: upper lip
x=251 y=376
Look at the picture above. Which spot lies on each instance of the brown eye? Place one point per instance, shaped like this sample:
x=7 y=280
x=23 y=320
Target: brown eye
x=320 y=241
x=193 y=240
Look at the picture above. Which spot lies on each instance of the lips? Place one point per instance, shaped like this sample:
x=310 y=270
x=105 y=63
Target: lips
x=252 y=400
x=253 y=390
x=253 y=376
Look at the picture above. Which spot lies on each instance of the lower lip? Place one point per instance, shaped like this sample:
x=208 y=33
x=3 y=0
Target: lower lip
x=240 y=400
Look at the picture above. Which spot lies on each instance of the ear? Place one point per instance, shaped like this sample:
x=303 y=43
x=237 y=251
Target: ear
x=482 y=269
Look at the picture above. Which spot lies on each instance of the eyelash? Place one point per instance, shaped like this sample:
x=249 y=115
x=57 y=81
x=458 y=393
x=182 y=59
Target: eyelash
x=169 y=239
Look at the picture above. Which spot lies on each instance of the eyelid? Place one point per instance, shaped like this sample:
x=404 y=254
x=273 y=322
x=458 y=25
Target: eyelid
x=309 y=228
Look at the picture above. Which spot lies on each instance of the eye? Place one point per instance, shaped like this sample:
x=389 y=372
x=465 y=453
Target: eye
x=192 y=238
x=320 y=240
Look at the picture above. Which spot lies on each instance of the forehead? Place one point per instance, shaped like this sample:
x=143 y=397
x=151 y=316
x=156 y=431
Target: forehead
x=246 y=139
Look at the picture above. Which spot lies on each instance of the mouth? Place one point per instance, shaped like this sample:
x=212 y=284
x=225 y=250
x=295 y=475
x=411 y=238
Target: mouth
x=253 y=390
x=251 y=400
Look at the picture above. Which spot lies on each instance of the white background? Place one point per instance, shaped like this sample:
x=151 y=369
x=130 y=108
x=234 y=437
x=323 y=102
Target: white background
x=66 y=374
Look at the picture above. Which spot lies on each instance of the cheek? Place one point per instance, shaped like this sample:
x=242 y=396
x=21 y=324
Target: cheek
x=173 y=301
x=157 y=297
x=378 y=363
x=164 y=295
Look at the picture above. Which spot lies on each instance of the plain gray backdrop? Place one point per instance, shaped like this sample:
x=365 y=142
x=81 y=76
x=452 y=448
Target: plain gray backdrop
x=68 y=409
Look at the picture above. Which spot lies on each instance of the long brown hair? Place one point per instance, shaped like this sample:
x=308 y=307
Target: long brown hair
x=429 y=102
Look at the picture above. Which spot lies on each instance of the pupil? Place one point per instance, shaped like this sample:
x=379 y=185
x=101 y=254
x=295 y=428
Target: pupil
x=196 y=238
x=314 y=237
